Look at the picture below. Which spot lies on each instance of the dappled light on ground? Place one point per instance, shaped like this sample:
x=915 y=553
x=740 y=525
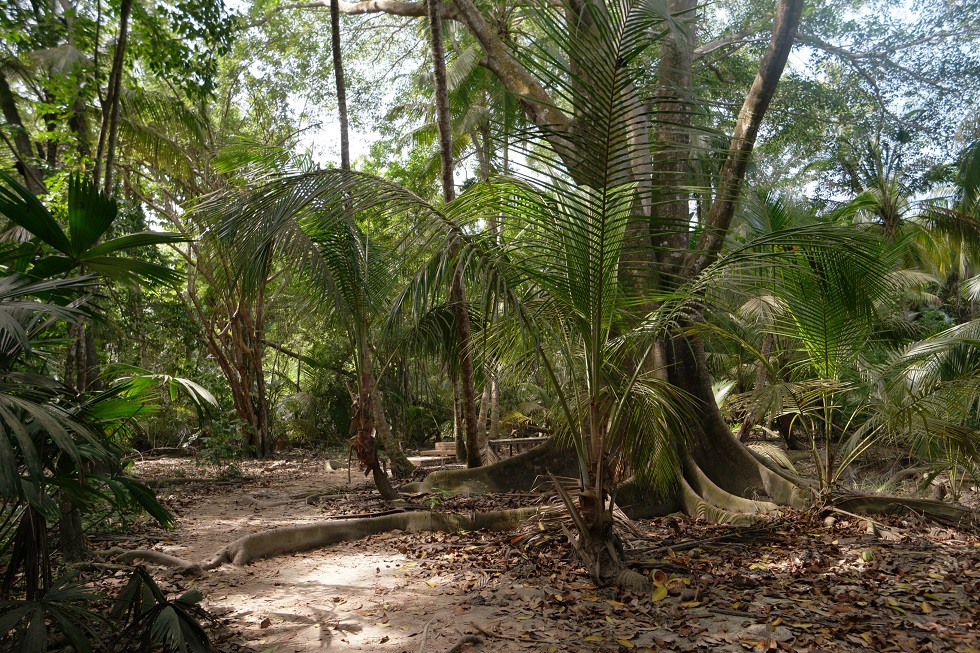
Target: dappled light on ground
x=794 y=584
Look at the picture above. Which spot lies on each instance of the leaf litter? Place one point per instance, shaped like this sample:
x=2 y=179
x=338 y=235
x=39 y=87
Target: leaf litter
x=796 y=583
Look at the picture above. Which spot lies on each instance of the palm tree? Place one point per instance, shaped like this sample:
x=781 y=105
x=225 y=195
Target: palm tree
x=579 y=280
x=457 y=292
x=51 y=432
x=313 y=226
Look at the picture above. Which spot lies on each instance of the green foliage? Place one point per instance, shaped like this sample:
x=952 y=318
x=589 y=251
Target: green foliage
x=90 y=214
x=63 y=608
x=153 y=619
x=220 y=445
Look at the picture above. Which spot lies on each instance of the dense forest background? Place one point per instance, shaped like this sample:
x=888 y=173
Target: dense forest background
x=268 y=225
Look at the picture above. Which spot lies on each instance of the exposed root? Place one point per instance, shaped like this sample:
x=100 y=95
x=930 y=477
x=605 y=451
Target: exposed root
x=517 y=473
x=463 y=641
x=946 y=513
x=696 y=505
x=156 y=558
x=282 y=541
x=705 y=488
x=904 y=475
x=248 y=499
x=183 y=480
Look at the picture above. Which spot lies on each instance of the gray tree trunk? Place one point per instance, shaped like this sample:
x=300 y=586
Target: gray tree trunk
x=457 y=291
x=338 y=69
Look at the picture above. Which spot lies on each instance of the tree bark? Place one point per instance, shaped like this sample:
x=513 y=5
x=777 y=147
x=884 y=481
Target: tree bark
x=401 y=466
x=494 y=432
x=459 y=432
x=750 y=117
x=363 y=429
x=22 y=140
x=672 y=141
x=457 y=290
x=110 y=112
x=338 y=69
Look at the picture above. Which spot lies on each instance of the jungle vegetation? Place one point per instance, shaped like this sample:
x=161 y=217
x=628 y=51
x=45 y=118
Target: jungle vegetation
x=685 y=240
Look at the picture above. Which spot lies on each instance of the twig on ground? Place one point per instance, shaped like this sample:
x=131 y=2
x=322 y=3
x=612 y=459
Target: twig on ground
x=527 y=640
x=425 y=634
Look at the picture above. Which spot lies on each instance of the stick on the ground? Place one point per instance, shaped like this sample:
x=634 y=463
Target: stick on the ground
x=425 y=634
x=491 y=634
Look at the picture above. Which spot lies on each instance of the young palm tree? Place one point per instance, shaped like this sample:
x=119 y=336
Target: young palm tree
x=312 y=225
x=579 y=281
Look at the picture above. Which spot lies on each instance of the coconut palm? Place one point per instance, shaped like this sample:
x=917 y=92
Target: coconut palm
x=313 y=228
x=578 y=281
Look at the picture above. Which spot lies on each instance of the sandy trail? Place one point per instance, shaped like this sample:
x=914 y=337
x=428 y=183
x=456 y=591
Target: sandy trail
x=793 y=586
x=354 y=596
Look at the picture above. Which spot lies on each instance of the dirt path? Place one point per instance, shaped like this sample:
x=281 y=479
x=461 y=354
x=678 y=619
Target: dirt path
x=355 y=596
x=795 y=586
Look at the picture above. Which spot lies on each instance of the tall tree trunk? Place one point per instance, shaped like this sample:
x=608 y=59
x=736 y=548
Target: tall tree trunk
x=747 y=126
x=401 y=466
x=109 y=133
x=457 y=290
x=494 y=432
x=672 y=139
x=486 y=453
x=338 y=69
x=482 y=413
x=459 y=433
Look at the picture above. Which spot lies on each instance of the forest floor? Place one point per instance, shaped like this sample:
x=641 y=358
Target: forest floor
x=794 y=584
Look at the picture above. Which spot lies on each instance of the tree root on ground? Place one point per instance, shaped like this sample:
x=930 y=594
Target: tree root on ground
x=157 y=558
x=946 y=513
x=518 y=473
x=183 y=480
x=463 y=641
x=282 y=541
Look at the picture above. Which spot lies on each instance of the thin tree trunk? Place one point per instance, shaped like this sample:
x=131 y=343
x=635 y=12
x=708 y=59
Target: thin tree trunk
x=481 y=417
x=459 y=434
x=338 y=69
x=74 y=544
x=363 y=429
x=494 y=432
x=401 y=466
x=752 y=418
x=486 y=454
x=110 y=112
x=457 y=291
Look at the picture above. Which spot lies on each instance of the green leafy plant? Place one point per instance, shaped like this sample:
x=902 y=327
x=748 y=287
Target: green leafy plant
x=222 y=444
x=154 y=619
x=64 y=608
